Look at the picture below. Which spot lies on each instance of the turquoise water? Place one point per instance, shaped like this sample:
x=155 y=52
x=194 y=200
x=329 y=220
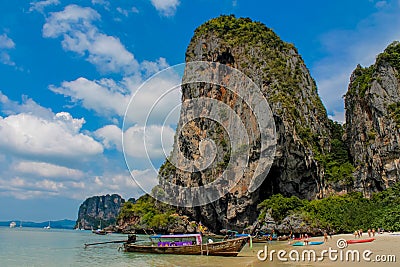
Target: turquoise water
x=41 y=247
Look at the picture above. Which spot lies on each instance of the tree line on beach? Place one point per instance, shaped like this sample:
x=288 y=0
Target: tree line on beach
x=339 y=213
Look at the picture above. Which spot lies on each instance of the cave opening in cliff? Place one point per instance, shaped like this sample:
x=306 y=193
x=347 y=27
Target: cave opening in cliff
x=270 y=186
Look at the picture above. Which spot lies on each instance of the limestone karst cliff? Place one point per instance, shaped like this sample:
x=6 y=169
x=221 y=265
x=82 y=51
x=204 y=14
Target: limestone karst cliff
x=304 y=132
x=372 y=106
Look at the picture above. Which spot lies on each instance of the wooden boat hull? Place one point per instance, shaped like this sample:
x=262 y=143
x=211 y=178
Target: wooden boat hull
x=99 y=232
x=229 y=247
x=260 y=239
x=283 y=238
x=355 y=241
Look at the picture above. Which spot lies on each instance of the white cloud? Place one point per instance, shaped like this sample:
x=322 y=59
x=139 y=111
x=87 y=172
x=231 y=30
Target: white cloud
x=28 y=106
x=33 y=130
x=104 y=3
x=41 y=5
x=47 y=170
x=157 y=140
x=75 y=25
x=33 y=179
x=38 y=144
x=109 y=98
x=338 y=116
x=152 y=141
x=146 y=179
x=154 y=100
x=48 y=185
x=121 y=183
x=111 y=136
x=6 y=43
x=347 y=48
x=21 y=188
x=166 y=7
x=151 y=67
x=127 y=12
x=103 y=96
x=380 y=4
x=6 y=59
x=27 y=134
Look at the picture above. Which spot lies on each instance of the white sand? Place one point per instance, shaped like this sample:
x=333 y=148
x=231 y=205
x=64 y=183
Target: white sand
x=385 y=244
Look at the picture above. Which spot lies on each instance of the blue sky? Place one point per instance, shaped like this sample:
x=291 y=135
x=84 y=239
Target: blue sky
x=69 y=68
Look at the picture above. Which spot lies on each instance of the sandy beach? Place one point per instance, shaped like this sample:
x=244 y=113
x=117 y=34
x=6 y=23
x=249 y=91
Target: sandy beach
x=386 y=246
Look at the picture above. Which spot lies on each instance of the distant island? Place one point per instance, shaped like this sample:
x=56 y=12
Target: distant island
x=60 y=224
x=99 y=212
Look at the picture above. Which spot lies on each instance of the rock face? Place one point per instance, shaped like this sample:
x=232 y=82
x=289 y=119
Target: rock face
x=99 y=210
x=372 y=106
x=302 y=127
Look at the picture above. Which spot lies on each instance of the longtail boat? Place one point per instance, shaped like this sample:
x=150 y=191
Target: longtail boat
x=189 y=244
x=260 y=238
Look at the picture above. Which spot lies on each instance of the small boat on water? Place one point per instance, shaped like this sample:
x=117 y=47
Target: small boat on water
x=47 y=227
x=355 y=241
x=189 y=244
x=99 y=232
x=12 y=224
x=311 y=243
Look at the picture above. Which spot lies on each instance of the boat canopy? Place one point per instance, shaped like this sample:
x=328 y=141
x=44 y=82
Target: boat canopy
x=196 y=236
x=242 y=235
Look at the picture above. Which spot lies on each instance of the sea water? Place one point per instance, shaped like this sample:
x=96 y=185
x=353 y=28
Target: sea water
x=52 y=247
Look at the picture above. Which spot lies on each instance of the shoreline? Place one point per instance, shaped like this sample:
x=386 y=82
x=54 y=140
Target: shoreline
x=386 y=244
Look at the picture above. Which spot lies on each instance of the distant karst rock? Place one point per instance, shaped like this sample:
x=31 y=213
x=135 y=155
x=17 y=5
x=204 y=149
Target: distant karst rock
x=99 y=211
x=372 y=106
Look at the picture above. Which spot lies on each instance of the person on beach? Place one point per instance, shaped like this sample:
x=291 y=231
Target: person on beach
x=326 y=236
x=373 y=231
x=355 y=234
x=306 y=240
x=369 y=232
